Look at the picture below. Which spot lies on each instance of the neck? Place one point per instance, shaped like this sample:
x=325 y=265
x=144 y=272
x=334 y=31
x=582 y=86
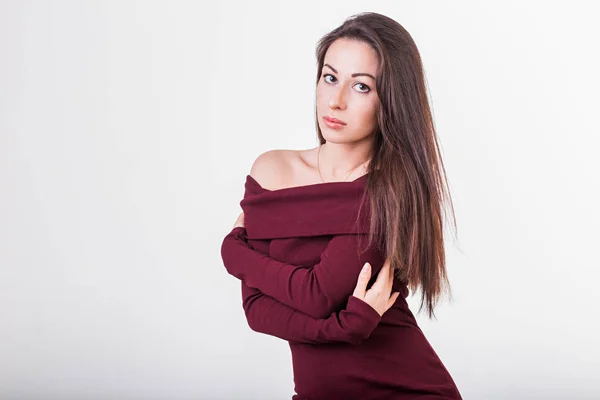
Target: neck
x=337 y=160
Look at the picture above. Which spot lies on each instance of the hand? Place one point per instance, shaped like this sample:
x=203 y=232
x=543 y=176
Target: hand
x=240 y=221
x=378 y=296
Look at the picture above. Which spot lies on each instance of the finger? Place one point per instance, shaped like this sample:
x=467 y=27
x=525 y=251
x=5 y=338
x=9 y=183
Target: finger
x=383 y=274
x=393 y=299
x=363 y=280
x=240 y=221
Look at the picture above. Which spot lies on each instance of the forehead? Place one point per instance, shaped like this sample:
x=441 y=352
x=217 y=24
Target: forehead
x=348 y=56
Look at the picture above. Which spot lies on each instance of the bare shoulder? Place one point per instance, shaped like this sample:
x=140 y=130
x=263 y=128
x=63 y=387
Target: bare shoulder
x=276 y=169
x=271 y=168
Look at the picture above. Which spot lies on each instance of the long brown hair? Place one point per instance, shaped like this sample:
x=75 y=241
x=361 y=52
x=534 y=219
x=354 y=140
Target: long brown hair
x=407 y=184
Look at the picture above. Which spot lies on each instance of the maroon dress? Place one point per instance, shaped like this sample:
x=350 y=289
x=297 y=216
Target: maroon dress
x=298 y=261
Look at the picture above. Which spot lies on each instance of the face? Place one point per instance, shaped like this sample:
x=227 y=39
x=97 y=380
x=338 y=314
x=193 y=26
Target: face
x=346 y=91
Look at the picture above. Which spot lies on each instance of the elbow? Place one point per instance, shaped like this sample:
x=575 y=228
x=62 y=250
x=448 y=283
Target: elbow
x=225 y=250
x=251 y=324
x=229 y=257
x=251 y=318
x=257 y=324
x=251 y=321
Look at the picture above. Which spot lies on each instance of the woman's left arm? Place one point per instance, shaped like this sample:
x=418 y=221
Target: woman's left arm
x=315 y=290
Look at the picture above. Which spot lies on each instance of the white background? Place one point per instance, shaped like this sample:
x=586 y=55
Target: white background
x=126 y=132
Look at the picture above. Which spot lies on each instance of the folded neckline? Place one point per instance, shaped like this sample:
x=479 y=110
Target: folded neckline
x=311 y=185
x=328 y=208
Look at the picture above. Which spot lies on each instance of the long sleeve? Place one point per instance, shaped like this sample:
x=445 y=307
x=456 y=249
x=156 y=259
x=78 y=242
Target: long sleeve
x=266 y=315
x=316 y=290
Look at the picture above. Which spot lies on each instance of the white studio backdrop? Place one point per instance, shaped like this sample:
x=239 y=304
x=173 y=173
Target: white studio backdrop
x=126 y=132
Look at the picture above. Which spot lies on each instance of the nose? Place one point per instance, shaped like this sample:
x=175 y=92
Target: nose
x=337 y=100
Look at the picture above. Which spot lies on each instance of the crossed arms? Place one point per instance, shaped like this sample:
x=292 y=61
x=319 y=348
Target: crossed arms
x=304 y=304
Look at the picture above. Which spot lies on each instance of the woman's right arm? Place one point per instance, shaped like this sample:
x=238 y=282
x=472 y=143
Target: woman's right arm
x=351 y=325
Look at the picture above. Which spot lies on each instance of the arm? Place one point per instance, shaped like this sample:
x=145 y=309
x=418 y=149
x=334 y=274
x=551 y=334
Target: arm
x=317 y=290
x=266 y=315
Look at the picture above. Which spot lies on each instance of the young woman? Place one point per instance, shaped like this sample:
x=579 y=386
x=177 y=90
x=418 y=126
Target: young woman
x=371 y=194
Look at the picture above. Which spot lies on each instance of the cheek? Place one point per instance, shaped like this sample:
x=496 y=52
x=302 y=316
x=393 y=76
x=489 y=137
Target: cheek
x=321 y=95
x=366 y=113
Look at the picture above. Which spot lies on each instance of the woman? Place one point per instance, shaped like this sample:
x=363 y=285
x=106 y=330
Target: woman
x=369 y=195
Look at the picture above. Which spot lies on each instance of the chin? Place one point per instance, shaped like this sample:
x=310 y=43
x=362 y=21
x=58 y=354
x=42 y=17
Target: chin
x=336 y=136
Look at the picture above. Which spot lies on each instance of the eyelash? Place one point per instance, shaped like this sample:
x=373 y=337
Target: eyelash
x=368 y=88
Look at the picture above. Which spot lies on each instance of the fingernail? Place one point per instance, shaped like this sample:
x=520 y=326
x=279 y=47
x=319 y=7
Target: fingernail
x=366 y=266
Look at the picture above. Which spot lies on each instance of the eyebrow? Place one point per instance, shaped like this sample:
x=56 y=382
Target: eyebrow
x=353 y=75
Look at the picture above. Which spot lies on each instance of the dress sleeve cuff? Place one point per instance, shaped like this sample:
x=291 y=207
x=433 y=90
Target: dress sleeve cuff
x=363 y=308
x=367 y=320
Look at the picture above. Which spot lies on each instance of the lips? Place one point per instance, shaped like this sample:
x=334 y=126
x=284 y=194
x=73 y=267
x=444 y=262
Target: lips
x=334 y=120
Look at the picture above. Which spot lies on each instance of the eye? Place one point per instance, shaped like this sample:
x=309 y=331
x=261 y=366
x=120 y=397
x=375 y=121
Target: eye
x=325 y=77
x=365 y=90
